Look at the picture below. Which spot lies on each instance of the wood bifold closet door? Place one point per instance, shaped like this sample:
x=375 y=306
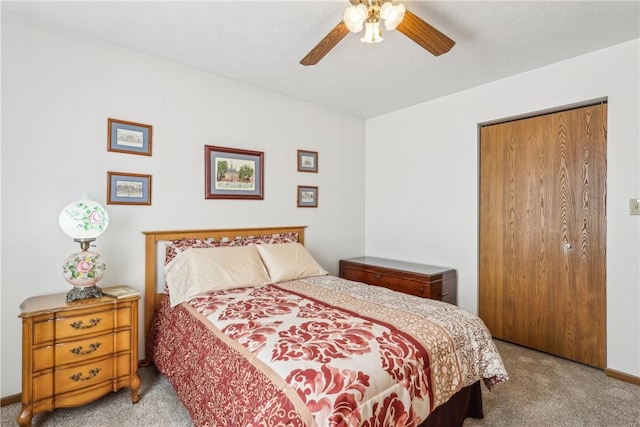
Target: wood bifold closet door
x=542 y=232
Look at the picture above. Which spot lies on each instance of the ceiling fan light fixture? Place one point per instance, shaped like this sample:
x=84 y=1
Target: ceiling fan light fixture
x=354 y=17
x=392 y=14
x=368 y=13
x=372 y=32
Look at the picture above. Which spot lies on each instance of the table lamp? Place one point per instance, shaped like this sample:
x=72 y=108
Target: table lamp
x=84 y=220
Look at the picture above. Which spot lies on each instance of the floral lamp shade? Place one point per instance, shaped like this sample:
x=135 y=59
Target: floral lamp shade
x=84 y=220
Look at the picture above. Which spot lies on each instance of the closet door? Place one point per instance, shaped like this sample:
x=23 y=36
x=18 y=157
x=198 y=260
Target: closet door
x=542 y=232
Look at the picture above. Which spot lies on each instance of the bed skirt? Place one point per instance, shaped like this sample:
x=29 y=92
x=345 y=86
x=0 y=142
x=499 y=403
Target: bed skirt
x=467 y=403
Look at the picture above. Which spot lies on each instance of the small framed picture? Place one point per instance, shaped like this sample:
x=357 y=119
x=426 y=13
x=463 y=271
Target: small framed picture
x=232 y=173
x=307 y=161
x=128 y=189
x=129 y=137
x=307 y=196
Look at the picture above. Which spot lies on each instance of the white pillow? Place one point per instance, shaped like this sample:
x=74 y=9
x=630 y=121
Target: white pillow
x=289 y=261
x=199 y=270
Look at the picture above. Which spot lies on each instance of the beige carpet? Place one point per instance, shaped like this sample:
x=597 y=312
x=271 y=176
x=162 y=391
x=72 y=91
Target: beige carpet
x=542 y=391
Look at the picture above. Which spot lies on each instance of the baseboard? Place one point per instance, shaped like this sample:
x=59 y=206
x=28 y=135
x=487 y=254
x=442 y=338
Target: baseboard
x=622 y=376
x=10 y=400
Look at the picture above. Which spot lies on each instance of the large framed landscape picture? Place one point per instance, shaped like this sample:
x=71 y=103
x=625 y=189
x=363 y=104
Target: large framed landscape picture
x=232 y=173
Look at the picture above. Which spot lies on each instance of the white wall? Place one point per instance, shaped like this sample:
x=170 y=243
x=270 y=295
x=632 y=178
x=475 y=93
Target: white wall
x=422 y=178
x=58 y=89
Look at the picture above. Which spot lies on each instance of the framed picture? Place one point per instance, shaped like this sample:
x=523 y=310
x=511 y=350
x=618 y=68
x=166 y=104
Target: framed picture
x=129 y=137
x=307 y=161
x=231 y=173
x=307 y=197
x=128 y=189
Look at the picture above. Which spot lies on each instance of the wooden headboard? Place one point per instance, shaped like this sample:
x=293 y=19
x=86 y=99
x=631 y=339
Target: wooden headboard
x=151 y=295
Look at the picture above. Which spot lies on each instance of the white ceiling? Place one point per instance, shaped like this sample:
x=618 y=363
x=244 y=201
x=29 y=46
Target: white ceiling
x=261 y=42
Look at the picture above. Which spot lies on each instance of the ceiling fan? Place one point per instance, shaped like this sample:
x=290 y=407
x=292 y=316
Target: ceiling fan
x=367 y=14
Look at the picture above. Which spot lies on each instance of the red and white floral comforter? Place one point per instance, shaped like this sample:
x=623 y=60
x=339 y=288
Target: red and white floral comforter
x=319 y=351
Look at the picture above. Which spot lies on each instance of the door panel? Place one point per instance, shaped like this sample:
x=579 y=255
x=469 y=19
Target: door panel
x=542 y=232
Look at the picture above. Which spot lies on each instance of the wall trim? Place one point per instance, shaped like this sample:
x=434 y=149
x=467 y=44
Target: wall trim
x=622 y=376
x=10 y=400
x=544 y=112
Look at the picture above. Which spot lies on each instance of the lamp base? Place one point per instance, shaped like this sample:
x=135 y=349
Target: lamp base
x=78 y=293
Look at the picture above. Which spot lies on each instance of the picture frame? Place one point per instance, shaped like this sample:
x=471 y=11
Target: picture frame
x=307 y=161
x=232 y=173
x=129 y=137
x=307 y=196
x=128 y=188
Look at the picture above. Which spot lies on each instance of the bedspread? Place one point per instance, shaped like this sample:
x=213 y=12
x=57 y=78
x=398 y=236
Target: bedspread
x=319 y=351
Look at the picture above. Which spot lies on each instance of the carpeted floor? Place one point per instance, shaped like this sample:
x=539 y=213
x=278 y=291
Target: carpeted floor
x=542 y=391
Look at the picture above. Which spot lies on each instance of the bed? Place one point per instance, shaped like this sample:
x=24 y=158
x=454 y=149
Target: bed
x=251 y=331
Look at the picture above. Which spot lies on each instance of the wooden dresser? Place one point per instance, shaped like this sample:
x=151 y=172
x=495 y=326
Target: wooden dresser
x=423 y=280
x=74 y=353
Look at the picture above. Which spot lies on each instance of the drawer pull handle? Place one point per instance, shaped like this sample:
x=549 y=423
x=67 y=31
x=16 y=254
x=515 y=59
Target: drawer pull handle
x=79 y=324
x=78 y=377
x=444 y=294
x=378 y=276
x=92 y=347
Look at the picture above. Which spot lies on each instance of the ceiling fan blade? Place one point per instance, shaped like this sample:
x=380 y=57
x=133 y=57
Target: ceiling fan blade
x=424 y=34
x=326 y=44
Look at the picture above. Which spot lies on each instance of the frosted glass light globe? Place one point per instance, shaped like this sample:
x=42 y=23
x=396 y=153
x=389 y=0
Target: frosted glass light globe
x=84 y=219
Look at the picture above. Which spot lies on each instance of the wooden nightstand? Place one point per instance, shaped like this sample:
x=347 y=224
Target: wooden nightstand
x=427 y=281
x=74 y=353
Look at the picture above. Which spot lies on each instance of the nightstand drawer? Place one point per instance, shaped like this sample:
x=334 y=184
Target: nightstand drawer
x=78 y=351
x=81 y=376
x=42 y=386
x=77 y=326
x=43 y=332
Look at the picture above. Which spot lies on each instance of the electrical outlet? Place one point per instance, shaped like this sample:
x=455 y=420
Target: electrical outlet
x=634 y=206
